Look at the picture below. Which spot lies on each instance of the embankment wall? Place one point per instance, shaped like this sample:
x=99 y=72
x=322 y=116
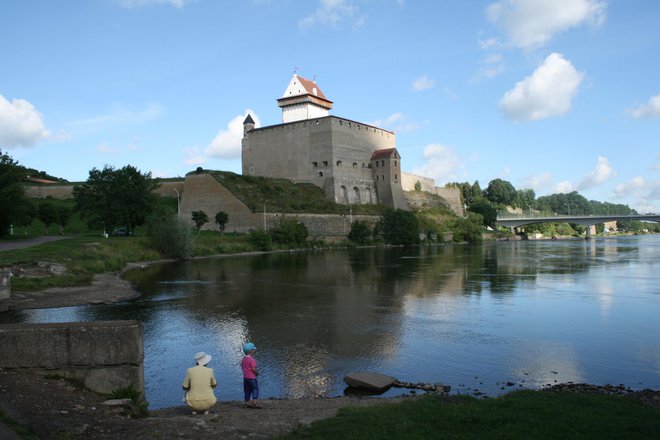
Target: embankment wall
x=102 y=355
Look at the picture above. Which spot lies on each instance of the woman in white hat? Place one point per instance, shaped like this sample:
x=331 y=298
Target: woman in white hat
x=199 y=383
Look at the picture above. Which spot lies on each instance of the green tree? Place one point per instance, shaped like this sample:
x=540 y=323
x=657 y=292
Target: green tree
x=27 y=212
x=12 y=192
x=63 y=217
x=116 y=197
x=399 y=227
x=221 y=219
x=170 y=235
x=260 y=240
x=360 y=232
x=468 y=229
x=418 y=186
x=525 y=198
x=200 y=218
x=486 y=210
x=501 y=192
x=47 y=214
x=289 y=231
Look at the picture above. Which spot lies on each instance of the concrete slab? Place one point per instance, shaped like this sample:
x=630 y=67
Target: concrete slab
x=369 y=381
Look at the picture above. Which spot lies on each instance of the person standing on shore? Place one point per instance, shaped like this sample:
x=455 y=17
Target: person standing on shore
x=250 y=373
x=199 y=384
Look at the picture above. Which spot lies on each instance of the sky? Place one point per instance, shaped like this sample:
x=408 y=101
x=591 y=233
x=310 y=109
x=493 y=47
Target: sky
x=552 y=95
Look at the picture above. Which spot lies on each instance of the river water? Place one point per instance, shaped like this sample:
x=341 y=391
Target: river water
x=478 y=318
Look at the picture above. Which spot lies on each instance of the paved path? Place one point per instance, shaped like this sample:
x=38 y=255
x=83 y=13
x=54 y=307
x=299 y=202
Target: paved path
x=20 y=244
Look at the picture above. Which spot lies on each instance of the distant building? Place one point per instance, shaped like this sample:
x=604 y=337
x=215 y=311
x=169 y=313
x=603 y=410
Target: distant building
x=353 y=162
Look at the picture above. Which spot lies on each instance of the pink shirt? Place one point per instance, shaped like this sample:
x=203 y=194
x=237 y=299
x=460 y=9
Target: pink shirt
x=248 y=364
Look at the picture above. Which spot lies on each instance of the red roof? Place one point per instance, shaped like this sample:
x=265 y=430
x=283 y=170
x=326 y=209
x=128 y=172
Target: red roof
x=386 y=152
x=310 y=86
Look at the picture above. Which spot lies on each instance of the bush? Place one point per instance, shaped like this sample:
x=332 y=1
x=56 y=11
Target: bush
x=170 y=236
x=290 y=232
x=360 y=232
x=260 y=240
x=468 y=228
x=399 y=227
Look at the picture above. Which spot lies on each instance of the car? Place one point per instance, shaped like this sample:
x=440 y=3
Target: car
x=121 y=232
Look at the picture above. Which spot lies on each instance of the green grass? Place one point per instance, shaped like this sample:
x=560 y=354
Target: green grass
x=281 y=195
x=84 y=256
x=519 y=415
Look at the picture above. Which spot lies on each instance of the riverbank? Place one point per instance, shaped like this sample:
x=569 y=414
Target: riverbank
x=45 y=407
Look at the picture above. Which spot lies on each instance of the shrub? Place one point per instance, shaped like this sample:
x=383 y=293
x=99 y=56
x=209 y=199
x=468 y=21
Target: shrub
x=290 y=232
x=260 y=240
x=360 y=232
x=170 y=236
x=468 y=228
x=399 y=227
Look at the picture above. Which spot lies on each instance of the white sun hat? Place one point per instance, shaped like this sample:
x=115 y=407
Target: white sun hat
x=202 y=358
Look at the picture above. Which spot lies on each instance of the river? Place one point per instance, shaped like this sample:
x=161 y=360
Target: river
x=484 y=319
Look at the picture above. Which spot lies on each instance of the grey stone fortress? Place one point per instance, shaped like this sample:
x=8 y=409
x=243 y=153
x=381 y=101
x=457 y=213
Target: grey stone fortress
x=353 y=162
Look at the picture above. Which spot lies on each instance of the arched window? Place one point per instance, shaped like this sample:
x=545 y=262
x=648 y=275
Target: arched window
x=396 y=177
x=320 y=173
x=370 y=196
x=315 y=164
x=325 y=163
x=354 y=164
x=356 y=195
x=344 y=194
x=339 y=163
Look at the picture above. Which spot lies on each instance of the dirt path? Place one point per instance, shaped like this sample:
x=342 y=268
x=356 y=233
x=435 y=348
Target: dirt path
x=21 y=244
x=54 y=408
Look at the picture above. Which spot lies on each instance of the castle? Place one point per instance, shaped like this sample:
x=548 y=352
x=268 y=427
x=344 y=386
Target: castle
x=353 y=162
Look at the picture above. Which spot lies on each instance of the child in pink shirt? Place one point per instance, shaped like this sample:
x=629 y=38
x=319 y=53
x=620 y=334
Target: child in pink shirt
x=250 y=373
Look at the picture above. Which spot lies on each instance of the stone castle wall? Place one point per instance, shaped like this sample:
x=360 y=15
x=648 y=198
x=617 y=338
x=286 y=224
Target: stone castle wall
x=451 y=195
x=328 y=152
x=102 y=355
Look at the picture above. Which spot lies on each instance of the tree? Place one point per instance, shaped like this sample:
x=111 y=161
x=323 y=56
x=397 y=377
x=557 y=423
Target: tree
x=63 y=217
x=289 y=231
x=418 y=186
x=110 y=198
x=399 y=227
x=170 y=235
x=47 y=214
x=501 y=192
x=12 y=192
x=27 y=212
x=221 y=219
x=468 y=229
x=360 y=232
x=200 y=218
x=486 y=210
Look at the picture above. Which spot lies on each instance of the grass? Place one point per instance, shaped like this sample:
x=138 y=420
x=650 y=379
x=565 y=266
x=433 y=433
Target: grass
x=21 y=430
x=281 y=195
x=519 y=415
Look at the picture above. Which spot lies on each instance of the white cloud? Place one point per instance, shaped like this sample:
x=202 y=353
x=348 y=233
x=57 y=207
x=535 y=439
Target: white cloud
x=649 y=110
x=396 y=122
x=423 y=83
x=442 y=163
x=630 y=188
x=564 y=186
x=537 y=182
x=21 y=125
x=179 y=4
x=391 y=119
x=227 y=143
x=331 y=13
x=531 y=24
x=194 y=156
x=546 y=93
x=491 y=66
x=602 y=172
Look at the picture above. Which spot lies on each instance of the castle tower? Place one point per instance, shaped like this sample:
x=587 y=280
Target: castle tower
x=302 y=100
x=386 y=172
x=248 y=124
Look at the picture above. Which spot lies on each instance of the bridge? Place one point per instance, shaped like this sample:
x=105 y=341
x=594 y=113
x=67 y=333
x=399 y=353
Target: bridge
x=584 y=220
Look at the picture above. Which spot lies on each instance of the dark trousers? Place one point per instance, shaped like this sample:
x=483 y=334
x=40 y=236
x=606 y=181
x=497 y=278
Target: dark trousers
x=251 y=389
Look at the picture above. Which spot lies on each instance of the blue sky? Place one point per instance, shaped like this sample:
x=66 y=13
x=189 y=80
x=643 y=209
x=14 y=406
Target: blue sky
x=553 y=95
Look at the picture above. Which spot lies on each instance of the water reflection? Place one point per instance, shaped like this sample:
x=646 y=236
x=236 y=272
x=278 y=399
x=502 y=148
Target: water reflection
x=469 y=316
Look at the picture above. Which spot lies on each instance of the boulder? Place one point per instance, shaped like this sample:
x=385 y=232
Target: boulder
x=369 y=381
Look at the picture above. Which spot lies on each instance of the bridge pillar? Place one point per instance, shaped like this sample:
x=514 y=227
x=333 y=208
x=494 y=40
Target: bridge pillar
x=588 y=232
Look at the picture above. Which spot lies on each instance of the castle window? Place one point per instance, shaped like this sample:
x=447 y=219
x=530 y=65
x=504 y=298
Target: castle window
x=395 y=163
x=356 y=194
x=344 y=194
x=325 y=163
x=396 y=177
x=251 y=170
x=315 y=164
x=382 y=177
x=382 y=163
x=320 y=173
x=354 y=164
x=339 y=163
x=341 y=122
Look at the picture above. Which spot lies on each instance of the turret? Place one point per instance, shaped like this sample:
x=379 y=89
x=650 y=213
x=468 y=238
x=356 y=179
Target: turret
x=248 y=124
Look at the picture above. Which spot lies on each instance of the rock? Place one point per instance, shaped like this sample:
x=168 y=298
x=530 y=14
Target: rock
x=369 y=381
x=124 y=407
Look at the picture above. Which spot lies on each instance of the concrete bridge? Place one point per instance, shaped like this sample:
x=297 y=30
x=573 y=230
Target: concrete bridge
x=584 y=220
